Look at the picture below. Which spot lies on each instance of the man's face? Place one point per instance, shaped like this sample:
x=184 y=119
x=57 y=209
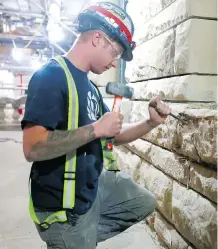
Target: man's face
x=107 y=54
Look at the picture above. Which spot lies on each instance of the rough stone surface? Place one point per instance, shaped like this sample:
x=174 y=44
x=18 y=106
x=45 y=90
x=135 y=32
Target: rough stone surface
x=197 y=140
x=168 y=162
x=160 y=185
x=203 y=180
x=175 y=53
x=194 y=217
x=168 y=234
x=128 y=162
x=174 y=14
x=154 y=58
x=125 y=109
x=196 y=37
x=178 y=88
x=103 y=79
x=145 y=10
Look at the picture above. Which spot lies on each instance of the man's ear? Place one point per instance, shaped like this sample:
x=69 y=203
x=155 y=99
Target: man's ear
x=96 y=38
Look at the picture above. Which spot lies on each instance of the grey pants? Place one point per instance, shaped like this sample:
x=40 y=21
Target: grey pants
x=119 y=204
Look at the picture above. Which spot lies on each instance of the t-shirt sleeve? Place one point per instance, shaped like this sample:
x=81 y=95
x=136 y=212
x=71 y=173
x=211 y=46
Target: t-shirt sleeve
x=45 y=98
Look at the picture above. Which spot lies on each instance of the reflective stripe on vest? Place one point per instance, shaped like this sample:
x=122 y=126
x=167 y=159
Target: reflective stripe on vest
x=73 y=119
x=110 y=158
x=110 y=162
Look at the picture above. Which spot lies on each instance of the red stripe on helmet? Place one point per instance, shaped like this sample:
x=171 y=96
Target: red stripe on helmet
x=122 y=26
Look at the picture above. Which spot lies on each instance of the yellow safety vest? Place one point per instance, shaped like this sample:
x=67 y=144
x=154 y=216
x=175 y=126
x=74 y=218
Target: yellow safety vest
x=110 y=162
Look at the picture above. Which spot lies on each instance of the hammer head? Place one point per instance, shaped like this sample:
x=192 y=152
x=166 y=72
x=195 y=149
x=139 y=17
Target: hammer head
x=119 y=89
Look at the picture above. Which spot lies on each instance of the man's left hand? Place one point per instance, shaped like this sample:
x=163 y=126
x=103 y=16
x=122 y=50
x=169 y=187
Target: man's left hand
x=158 y=114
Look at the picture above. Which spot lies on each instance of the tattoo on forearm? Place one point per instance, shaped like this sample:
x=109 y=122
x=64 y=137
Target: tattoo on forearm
x=59 y=143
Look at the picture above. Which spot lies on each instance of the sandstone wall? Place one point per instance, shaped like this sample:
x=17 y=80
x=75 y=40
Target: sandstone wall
x=175 y=59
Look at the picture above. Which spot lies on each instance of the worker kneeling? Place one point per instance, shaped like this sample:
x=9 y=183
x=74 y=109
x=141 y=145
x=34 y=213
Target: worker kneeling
x=74 y=202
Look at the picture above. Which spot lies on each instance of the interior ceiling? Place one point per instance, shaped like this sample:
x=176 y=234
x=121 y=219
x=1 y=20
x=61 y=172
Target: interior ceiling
x=23 y=24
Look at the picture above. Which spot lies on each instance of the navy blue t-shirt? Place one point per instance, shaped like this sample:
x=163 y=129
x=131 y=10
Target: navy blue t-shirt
x=47 y=106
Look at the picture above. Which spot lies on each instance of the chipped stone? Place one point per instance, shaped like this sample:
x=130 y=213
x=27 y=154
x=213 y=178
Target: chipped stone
x=128 y=162
x=196 y=37
x=175 y=53
x=203 y=180
x=168 y=234
x=160 y=185
x=197 y=140
x=168 y=162
x=154 y=58
x=174 y=14
x=194 y=217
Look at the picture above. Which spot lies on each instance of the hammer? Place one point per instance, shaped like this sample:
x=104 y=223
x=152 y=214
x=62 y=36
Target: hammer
x=120 y=91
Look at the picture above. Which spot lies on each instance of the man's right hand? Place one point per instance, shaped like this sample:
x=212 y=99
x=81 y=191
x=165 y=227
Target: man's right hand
x=109 y=125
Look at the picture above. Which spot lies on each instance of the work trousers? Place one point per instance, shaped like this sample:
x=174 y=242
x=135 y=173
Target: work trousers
x=120 y=203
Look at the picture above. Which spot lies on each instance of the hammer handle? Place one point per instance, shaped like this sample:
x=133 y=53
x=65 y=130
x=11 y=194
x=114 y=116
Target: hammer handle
x=115 y=108
x=117 y=103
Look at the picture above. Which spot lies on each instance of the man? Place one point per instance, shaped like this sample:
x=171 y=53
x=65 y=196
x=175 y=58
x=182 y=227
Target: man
x=74 y=202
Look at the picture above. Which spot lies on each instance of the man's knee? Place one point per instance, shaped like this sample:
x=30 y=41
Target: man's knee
x=149 y=202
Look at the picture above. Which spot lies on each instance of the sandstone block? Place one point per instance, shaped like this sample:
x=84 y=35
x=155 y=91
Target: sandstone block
x=125 y=109
x=154 y=58
x=102 y=90
x=168 y=234
x=178 y=88
x=128 y=162
x=194 y=217
x=175 y=53
x=142 y=11
x=166 y=161
x=203 y=180
x=103 y=79
x=197 y=140
x=160 y=185
x=175 y=13
x=195 y=47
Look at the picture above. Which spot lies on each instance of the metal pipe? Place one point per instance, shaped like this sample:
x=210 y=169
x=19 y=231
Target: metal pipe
x=59 y=47
x=21 y=37
x=122 y=62
x=21 y=13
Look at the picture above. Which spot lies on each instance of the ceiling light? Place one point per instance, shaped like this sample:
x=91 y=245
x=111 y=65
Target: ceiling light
x=17 y=54
x=55 y=10
x=55 y=33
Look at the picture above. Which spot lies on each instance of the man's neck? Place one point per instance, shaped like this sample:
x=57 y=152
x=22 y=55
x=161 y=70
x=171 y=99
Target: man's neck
x=78 y=56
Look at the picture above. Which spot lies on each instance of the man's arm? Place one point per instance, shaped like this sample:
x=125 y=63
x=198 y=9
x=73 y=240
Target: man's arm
x=131 y=132
x=39 y=144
